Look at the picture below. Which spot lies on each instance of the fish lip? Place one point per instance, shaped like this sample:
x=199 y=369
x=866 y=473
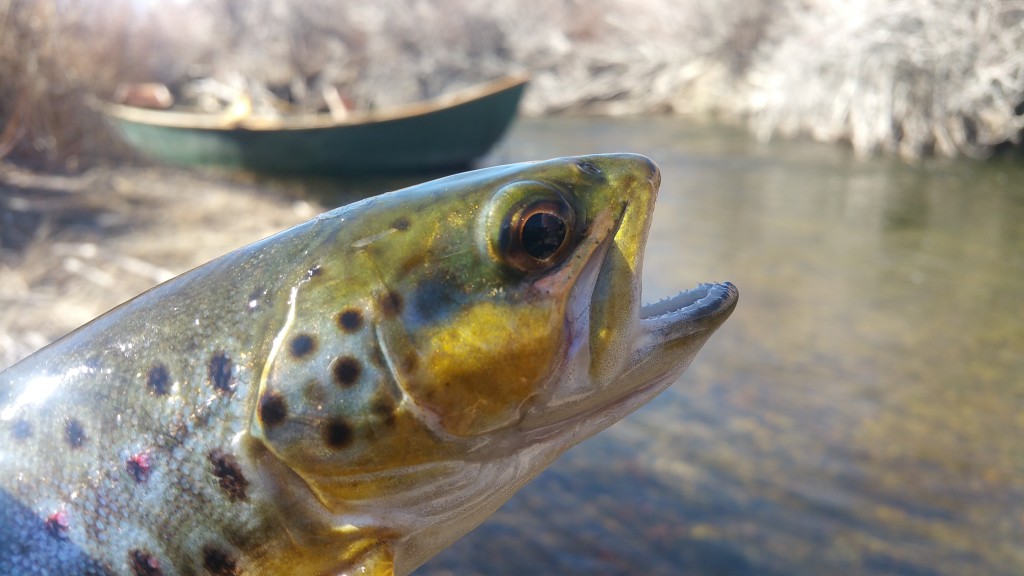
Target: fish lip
x=706 y=301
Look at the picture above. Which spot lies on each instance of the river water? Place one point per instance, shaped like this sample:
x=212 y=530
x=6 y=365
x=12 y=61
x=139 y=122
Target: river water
x=862 y=412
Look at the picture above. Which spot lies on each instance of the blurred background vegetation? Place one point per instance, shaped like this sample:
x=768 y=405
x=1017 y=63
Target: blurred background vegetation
x=912 y=77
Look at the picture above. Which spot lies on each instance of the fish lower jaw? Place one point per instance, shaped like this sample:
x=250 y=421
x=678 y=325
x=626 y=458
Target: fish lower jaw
x=706 y=299
x=578 y=423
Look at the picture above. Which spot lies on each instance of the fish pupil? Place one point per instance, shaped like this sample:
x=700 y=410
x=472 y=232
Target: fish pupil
x=543 y=234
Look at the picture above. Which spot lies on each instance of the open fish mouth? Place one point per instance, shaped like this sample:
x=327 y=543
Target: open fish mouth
x=704 y=301
x=669 y=334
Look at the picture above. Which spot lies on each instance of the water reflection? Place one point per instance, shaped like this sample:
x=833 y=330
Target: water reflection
x=861 y=413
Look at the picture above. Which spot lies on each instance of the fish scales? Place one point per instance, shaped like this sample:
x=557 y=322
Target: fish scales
x=353 y=394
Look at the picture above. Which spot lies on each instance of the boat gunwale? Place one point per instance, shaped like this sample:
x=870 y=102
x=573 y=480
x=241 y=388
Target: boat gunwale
x=227 y=122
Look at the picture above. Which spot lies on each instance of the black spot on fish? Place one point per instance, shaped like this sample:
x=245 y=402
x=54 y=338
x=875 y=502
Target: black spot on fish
x=218 y=562
x=383 y=407
x=350 y=320
x=74 y=432
x=302 y=345
x=56 y=525
x=21 y=429
x=346 y=370
x=390 y=303
x=338 y=434
x=222 y=372
x=159 y=379
x=227 y=470
x=144 y=564
x=139 y=467
x=273 y=409
x=402 y=224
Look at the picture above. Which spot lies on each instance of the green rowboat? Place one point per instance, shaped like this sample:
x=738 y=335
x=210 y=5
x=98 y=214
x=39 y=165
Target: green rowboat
x=446 y=132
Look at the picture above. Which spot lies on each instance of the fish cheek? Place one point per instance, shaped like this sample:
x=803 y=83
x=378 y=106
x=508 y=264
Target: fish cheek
x=480 y=369
x=327 y=408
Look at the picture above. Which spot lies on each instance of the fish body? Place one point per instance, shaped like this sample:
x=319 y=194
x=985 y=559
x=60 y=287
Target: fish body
x=353 y=394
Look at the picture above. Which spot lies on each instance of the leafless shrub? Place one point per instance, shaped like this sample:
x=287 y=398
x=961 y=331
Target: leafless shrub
x=910 y=76
x=56 y=54
x=41 y=104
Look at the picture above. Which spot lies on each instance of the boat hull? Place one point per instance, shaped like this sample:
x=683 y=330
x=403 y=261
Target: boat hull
x=424 y=136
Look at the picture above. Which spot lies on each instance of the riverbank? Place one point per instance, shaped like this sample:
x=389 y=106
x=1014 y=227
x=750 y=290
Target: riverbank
x=914 y=78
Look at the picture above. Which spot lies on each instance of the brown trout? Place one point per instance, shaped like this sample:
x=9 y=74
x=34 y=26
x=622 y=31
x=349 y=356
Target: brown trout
x=351 y=395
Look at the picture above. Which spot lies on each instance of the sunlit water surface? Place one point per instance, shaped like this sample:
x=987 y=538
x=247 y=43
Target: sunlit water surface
x=861 y=412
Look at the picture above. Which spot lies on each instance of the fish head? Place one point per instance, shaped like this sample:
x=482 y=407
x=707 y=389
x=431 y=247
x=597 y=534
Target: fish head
x=480 y=325
x=543 y=288
x=536 y=321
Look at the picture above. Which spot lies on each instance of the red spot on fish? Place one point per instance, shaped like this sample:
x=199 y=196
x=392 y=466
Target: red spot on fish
x=139 y=467
x=144 y=564
x=57 y=525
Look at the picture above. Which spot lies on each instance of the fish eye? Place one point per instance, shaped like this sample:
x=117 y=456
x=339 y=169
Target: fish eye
x=540 y=233
x=532 y=226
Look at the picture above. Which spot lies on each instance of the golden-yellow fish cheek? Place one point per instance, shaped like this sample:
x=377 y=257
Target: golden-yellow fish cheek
x=479 y=369
x=404 y=444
